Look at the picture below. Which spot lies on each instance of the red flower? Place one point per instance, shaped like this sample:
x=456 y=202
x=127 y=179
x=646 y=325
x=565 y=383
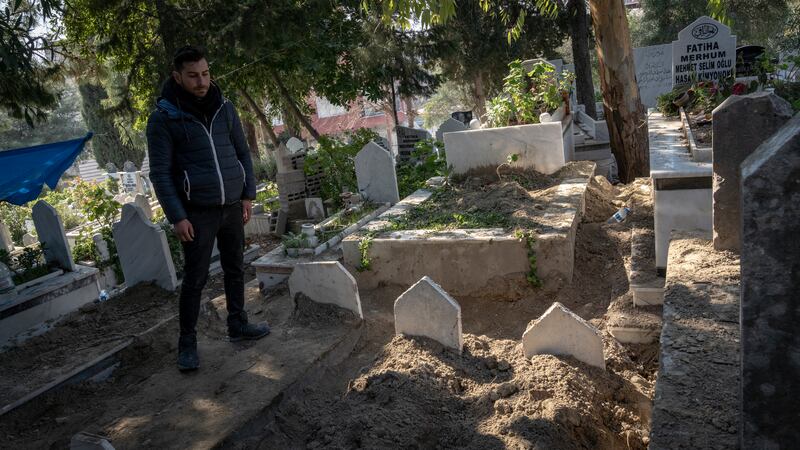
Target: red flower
x=739 y=89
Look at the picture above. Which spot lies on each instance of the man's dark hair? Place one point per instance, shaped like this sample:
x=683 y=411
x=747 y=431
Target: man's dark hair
x=187 y=53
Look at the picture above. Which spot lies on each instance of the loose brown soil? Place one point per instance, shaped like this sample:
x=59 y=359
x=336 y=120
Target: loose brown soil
x=702 y=128
x=394 y=392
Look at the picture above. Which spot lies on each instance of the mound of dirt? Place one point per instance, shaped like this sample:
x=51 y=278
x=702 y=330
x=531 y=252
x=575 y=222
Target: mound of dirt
x=308 y=313
x=600 y=196
x=418 y=394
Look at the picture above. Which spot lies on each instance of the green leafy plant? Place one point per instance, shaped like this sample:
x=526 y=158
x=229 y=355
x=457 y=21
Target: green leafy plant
x=84 y=248
x=364 y=262
x=427 y=160
x=510 y=159
x=29 y=265
x=337 y=158
x=527 y=94
x=530 y=242
x=295 y=240
x=263 y=197
x=175 y=247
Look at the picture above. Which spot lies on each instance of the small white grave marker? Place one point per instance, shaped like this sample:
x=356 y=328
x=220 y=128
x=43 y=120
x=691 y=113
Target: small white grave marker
x=425 y=309
x=559 y=331
x=326 y=282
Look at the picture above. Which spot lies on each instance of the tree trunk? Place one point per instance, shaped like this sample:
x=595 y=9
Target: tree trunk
x=293 y=109
x=480 y=97
x=167 y=24
x=393 y=102
x=252 y=139
x=410 y=112
x=262 y=118
x=579 y=26
x=624 y=112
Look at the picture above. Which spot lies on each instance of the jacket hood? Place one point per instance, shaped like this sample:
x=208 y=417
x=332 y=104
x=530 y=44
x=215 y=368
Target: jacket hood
x=178 y=103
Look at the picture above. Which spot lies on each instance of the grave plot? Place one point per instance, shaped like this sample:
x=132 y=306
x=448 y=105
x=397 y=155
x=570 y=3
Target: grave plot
x=479 y=235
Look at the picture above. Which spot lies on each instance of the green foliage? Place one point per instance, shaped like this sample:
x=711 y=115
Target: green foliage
x=335 y=158
x=530 y=241
x=263 y=197
x=527 y=94
x=84 y=248
x=265 y=169
x=98 y=204
x=29 y=265
x=429 y=215
x=425 y=163
x=789 y=91
x=28 y=64
x=450 y=96
x=175 y=247
x=294 y=240
x=364 y=262
x=14 y=217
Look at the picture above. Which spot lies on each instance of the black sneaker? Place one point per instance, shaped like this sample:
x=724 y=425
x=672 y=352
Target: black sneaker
x=187 y=353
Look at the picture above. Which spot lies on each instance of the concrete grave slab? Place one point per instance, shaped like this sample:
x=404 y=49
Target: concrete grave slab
x=770 y=305
x=741 y=123
x=559 y=331
x=143 y=250
x=375 y=172
x=425 y=309
x=539 y=147
x=326 y=282
x=50 y=230
x=449 y=126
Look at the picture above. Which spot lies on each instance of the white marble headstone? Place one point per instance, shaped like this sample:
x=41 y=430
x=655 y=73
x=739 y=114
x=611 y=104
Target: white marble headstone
x=143 y=250
x=706 y=50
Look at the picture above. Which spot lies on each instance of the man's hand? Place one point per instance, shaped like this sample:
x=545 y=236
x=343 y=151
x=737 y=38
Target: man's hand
x=247 y=210
x=184 y=230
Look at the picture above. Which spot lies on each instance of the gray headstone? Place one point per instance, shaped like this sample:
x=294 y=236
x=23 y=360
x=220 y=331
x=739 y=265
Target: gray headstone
x=141 y=201
x=111 y=168
x=407 y=138
x=129 y=167
x=295 y=145
x=102 y=247
x=29 y=239
x=6 y=243
x=770 y=304
x=314 y=208
x=653 y=72
x=425 y=309
x=450 y=125
x=50 y=230
x=741 y=123
x=326 y=282
x=705 y=50
x=143 y=250
x=375 y=172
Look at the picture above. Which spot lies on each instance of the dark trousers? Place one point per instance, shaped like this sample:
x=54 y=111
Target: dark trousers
x=225 y=224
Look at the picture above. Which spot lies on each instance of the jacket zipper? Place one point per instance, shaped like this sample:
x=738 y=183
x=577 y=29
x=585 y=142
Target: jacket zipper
x=210 y=134
x=187 y=185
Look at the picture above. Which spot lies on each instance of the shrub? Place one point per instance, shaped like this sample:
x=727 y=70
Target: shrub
x=528 y=94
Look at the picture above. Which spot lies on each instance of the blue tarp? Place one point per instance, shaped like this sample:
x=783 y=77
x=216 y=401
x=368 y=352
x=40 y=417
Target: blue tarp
x=24 y=171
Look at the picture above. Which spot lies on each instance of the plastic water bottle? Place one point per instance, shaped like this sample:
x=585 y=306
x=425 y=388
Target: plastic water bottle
x=620 y=215
x=103 y=296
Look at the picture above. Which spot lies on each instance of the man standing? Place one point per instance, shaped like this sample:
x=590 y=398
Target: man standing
x=202 y=173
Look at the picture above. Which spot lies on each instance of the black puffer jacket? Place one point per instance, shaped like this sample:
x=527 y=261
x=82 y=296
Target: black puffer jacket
x=198 y=165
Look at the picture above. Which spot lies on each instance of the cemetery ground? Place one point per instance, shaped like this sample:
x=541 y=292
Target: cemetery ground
x=322 y=379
